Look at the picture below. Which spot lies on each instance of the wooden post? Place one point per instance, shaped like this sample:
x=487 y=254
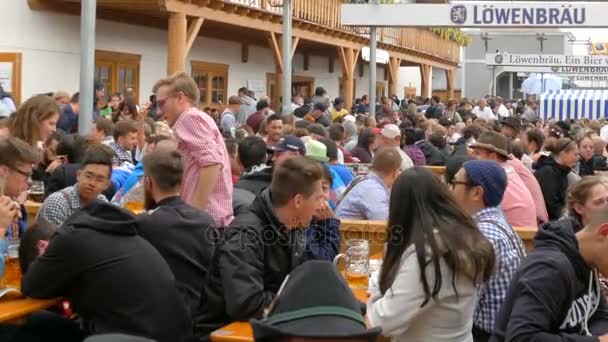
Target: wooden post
x=393 y=67
x=176 y=44
x=450 y=77
x=425 y=77
x=348 y=60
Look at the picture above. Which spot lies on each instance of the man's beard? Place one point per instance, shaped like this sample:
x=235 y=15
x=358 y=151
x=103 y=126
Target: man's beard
x=149 y=202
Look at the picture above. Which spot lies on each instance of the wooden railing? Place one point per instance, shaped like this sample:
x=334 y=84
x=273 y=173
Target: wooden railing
x=375 y=233
x=327 y=13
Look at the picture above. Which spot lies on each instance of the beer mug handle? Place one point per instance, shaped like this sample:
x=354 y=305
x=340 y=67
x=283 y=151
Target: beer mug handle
x=338 y=257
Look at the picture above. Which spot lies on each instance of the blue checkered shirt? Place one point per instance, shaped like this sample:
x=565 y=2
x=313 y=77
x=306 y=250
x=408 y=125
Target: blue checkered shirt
x=510 y=251
x=120 y=155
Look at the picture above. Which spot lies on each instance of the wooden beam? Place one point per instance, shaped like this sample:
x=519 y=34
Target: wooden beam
x=193 y=30
x=276 y=51
x=294 y=45
x=244 y=52
x=451 y=79
x=306 y=61
x=425 y=77
x=176 y=43
x=393 y=67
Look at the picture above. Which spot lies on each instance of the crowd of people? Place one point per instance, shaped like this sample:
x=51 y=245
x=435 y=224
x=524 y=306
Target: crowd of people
x=168 y=222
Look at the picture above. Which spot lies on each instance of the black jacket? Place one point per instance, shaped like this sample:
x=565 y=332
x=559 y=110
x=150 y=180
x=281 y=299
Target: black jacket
x=65 y=176
x=433 y=156
x=588 y=167
x=553 y=293
x=255 y=182
x=116 y=280
x=185 y=237
x=254 y=255
x=553 y=180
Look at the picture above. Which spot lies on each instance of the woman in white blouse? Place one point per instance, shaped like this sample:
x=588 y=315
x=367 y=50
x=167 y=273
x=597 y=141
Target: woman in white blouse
x=435 y=258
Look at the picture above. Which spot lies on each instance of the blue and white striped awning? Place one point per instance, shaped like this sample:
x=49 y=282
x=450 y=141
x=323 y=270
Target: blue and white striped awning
x=574 y=104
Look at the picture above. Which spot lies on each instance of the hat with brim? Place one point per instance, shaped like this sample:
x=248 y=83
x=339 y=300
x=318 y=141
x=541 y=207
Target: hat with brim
x=512 y=122
x=317 y=151
x=493 y=142
x=490 y=148
x=314 y=302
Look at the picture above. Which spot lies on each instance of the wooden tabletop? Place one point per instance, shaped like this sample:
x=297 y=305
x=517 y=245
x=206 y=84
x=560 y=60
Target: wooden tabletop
x=242 y=332
x=14 y=308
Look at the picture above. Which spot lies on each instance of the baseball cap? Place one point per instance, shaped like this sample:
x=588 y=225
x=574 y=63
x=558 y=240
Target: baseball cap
x=290 y=143
x=390 y=131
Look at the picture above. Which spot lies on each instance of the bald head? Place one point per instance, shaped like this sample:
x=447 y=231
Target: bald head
x=167 y=145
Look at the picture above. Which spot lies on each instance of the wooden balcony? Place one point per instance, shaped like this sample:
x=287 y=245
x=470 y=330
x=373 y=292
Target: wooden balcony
x=327 y=14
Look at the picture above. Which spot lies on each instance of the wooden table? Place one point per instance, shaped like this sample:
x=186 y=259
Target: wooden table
x=242 y=332
x=14 y=309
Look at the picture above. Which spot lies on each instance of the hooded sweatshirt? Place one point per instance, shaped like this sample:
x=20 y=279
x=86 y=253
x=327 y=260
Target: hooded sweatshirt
x=116 y=281
x=554 y=296
x=256 y=180
x=255 y=254
x=553 y=180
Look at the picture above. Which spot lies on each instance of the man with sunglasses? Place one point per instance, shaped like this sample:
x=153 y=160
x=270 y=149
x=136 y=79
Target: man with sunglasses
x=479 y=186
x=92 y=179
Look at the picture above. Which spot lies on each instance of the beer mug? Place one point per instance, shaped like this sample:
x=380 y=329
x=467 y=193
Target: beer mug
x=12 y=271
x=356 y=268
x=36 y=192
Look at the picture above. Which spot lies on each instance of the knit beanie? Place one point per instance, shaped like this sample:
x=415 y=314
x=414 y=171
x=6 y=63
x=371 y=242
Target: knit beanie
x=490 y=176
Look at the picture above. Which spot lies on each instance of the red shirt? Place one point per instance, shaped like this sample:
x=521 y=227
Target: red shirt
x=201 y=144
x=255 y=120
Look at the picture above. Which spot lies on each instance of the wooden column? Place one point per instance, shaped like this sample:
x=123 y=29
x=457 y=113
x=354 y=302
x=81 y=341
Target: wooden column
x=393 y=72
x=176 y=44
x=348 y=60
x=451 y=80
x=425 y=77
x=274 y=41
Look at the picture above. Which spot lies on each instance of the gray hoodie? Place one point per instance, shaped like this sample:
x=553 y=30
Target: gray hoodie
x=247 y=108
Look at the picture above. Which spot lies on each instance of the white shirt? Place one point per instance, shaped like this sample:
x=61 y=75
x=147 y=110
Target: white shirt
x=503 y=111
x=604 y=133
x=406 y=161
x=445 y=319
x=486 y=114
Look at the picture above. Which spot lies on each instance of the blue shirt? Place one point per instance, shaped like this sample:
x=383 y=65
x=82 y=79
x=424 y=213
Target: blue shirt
x=344 y=172
x=510 y=251
x=323 y=239
x=337 y=188
x=368 y=200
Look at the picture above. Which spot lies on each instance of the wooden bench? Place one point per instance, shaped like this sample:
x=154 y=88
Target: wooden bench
x=437 y=170
x=375 y=233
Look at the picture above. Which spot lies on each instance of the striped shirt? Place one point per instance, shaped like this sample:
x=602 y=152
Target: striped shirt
x=367 y=200
x=510 y=251
x=201 y=144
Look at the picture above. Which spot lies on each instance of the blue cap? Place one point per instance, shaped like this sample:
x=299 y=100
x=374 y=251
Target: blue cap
x=490 y=176
x=290 y=143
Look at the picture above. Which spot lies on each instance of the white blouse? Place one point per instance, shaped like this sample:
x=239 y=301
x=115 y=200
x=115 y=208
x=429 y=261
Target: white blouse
x=398 y=312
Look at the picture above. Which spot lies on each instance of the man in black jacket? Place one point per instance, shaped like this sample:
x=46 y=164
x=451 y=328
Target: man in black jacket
x=556 y=294
x=183 y=235
x=115 y=280
x=262 y=246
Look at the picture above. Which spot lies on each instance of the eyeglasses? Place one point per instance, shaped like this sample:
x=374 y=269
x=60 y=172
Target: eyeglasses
x=453 y=183
x=23 y=173
x=161 y=103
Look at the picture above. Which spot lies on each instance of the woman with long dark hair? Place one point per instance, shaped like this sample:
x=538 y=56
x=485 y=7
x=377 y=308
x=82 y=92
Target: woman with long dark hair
x=364 y=151
x=435 y=258
x=127 y=109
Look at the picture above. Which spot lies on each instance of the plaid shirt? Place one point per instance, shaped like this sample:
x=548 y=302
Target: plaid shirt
x=201 y=144
x=61 y=205
x=510 y=251
x=120 y=155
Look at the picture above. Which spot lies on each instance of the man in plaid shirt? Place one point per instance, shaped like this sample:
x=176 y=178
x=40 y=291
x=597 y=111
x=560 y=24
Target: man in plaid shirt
x=93 y=178
x=480 y=185
x=125 y=140
x=207 y=182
